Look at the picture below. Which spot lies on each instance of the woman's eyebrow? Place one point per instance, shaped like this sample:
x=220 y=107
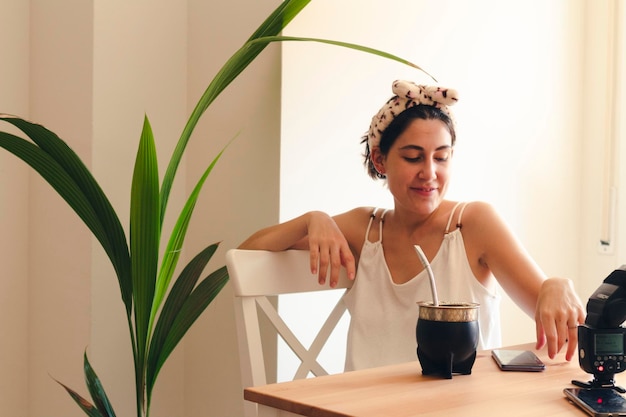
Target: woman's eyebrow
x=420 y=148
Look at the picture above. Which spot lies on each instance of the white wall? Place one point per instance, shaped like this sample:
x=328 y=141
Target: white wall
x=604 y=135
x=519 y=124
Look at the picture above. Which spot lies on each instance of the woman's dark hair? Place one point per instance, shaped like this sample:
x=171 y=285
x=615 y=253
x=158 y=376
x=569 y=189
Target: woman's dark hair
x=398 y=125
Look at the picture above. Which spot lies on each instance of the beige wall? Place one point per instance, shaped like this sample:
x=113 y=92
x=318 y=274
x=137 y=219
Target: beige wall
x=58 y=246
x=90 y=71
x=139 y=68
x=14 y=176
x=242 y=193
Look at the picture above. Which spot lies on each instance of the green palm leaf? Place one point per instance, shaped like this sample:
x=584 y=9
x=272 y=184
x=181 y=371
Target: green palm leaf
x=144 y=243
x=65 y=172
x=96 y=390
x=102 y=407
x=178 y=295
x=269 y=39
x=194 y=305
x=277 y=21
x=88 y=408
x=175 y=243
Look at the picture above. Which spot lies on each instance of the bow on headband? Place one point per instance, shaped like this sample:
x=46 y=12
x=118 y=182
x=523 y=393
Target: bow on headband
x=408 y=94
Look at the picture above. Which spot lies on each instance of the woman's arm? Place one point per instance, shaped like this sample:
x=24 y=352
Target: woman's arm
x=553 y=303
x=315 y=231
x=288 y=235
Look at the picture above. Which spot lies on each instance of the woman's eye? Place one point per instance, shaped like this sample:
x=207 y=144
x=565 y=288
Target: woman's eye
x=420 y=158
x=442 y=157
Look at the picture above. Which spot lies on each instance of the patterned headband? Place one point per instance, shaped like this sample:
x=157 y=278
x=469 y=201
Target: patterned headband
x=408 y=94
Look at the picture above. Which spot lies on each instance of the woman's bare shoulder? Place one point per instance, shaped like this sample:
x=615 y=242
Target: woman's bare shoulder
x=479 y=211
x=354 y=218
x=357 y=213
x=482 y=218
x=353 y=223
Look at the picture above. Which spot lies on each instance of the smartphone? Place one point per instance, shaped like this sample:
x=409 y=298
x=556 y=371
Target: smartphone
x=517 y=360
x=597 y=402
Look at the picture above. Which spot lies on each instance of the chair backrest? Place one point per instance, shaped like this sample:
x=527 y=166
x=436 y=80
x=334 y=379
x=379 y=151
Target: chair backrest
x=257 y=275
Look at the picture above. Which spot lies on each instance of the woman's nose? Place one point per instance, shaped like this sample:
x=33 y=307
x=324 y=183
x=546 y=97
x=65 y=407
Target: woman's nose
x=428 y=170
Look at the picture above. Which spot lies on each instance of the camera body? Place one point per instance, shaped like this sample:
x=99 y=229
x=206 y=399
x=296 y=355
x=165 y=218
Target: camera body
x=602 y=339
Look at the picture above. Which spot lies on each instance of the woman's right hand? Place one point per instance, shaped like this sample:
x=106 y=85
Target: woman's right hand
x=329 y=248
x=316 y=231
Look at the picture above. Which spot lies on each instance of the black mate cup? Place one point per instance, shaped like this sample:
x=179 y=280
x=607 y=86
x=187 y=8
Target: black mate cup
x=447 y=337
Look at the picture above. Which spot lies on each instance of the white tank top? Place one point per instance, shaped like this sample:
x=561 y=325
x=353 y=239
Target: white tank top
x=384 y=314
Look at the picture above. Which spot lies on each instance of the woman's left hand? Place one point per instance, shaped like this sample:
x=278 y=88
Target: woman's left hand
x=557 y=316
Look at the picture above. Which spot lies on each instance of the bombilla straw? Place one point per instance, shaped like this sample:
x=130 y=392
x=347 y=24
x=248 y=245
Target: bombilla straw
x=429 y=270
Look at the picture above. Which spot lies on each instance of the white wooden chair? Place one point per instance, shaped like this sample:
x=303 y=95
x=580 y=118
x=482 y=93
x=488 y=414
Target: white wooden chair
x=257 y=275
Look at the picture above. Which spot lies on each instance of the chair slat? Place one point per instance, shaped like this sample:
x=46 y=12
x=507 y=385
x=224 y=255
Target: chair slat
x=255 y=272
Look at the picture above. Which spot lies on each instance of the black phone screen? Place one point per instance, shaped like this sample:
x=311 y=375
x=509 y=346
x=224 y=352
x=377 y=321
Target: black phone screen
x=517 y=360
x=600 y=402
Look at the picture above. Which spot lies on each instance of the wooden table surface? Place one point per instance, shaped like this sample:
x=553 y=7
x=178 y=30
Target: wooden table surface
x=402 y=390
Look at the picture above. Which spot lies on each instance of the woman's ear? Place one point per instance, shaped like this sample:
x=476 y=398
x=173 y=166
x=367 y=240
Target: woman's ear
x=378 y=160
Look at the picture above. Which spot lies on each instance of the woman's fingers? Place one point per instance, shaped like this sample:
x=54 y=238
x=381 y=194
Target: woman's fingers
x=559 y=312
x=329 y=249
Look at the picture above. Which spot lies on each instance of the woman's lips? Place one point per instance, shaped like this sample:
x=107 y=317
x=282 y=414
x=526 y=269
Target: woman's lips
x=424 y=190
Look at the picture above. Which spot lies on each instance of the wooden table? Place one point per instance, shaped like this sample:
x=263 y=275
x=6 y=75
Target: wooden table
x=402 y=390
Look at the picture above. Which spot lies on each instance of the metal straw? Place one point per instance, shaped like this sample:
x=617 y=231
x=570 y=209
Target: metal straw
x=424 y=260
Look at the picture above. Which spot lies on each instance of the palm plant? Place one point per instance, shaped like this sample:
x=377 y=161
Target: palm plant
x=158 y=311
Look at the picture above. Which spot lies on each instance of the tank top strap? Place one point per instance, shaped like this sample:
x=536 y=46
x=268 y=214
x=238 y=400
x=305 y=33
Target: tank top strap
x=380 y=226
x=369 y=225
x=458 y=223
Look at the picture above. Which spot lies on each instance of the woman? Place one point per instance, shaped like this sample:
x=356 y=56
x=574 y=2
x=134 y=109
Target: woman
x=410 y=145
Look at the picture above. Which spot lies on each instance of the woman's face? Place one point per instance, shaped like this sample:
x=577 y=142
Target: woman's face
x=417 y=166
